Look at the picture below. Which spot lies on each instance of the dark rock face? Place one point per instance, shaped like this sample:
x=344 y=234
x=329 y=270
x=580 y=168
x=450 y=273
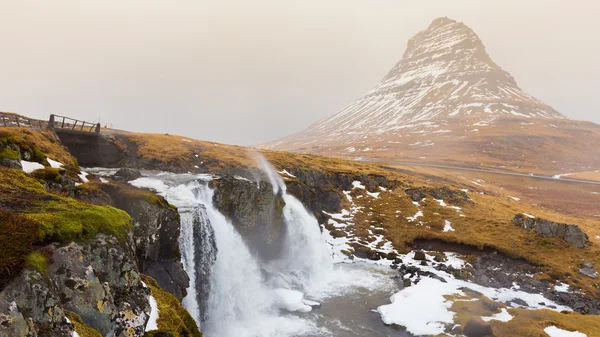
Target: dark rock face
x=498 y=271
x=453 y=197
x=156 y=231
x=31 y=306
x=572 y=234
x=323 y=191
x=476 y=328
x=8 y=163
x=100 y=282
x=255 y=210
x=126 y=175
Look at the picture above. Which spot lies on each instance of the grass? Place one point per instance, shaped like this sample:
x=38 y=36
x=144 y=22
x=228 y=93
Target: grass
x=59 y=218
x=9 y=154
x=172 y=316
x=37 y=261
x=80 y=327
x=41 y=144
x=487 y=223
x=525 y=322
x=17 y=236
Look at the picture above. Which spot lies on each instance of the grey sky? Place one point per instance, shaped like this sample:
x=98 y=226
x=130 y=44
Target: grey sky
x=245 y=72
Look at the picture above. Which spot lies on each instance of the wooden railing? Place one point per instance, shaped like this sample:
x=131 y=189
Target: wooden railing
x=8 y=119
x=62 y=122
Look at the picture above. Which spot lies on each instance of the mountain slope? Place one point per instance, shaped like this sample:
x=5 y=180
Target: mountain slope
x=447 y=101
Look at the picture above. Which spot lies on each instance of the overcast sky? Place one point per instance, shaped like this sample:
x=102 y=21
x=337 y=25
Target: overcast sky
x=246 y=72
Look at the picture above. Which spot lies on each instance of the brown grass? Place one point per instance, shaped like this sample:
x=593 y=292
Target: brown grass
x=45 y=140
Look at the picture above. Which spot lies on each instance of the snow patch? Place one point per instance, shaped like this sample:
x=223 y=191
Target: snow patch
x=553 y=331
x=54 y=163
x=448 y=226
x=29 y=166
x=152 y=321
x=358 y=184
x=502 y=316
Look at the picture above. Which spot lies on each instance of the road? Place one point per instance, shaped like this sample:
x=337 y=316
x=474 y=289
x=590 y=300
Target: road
x=516 y=174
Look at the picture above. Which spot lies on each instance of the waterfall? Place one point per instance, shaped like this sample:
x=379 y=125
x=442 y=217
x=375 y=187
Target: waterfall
x=244 y=298
x=306 y=258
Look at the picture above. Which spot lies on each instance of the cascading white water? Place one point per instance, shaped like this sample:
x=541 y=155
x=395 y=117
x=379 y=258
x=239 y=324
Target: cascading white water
x=241 y=302
x=306 y=258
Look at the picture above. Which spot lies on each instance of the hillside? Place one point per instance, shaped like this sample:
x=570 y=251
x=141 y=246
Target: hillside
x=447 y=102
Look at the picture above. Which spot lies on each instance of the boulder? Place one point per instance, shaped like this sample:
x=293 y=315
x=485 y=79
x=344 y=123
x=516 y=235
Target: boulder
x=572 y=234
x=30 y=306
x=477 y=328
x=587 y=269
x=420 y=256
x=126 y=175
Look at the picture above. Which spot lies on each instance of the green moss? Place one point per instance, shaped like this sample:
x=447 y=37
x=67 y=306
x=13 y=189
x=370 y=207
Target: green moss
x=37 y=261
x=48 y=174
x=173 y=319
x=59 y=218
x=80 y=327
x=66 y=220
x=10 y=154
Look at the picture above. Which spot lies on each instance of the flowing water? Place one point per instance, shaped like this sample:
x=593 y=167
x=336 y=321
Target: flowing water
x=300 y=294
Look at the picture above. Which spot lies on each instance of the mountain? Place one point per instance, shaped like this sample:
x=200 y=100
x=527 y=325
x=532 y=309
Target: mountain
x=447 y=102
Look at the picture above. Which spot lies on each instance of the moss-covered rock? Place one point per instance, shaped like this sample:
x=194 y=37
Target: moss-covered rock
x=59 y=218
x=156 y=229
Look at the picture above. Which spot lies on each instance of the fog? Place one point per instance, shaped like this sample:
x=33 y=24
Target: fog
x=246 y=72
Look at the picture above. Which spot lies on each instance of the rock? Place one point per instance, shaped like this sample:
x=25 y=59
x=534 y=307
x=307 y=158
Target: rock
x=420 y=256
x=452 y=197
x=156 y=231
x=585 y=264
x=477 y=328
x=589 y=272
x=100 y=282
x=438 y=258
x=572 y=234
x=8 y=163
x=126 y=175
x=255 y=210
x=31 y=306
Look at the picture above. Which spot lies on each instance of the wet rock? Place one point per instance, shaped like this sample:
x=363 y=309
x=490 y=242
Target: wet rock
x=255 y=210
x=572 y=234
x=126 y=175
x=438 y=258
x=477 y=328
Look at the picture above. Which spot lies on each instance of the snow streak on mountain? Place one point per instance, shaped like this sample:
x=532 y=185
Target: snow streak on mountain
x=445 y=75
